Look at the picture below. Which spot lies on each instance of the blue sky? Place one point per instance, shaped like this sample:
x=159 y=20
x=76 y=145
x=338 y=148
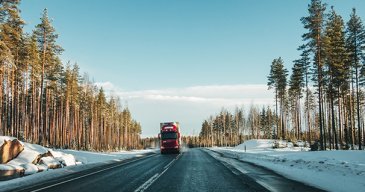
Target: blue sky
x=154 y=54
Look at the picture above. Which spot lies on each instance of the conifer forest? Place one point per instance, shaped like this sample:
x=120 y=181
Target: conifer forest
x=47 y=102
x=321 y=101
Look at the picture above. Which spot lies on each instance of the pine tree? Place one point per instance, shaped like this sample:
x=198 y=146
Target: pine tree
x=314 y=24
x=46 y=37
x=336 y=58
x=277 y=80
x=356 y=46
x=304 y=62
x=296 y=83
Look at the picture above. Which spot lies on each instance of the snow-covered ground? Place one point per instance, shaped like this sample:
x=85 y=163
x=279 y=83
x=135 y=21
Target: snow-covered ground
x=87 y=157
x=34 y=158
x=71 y=160
x=329 y=170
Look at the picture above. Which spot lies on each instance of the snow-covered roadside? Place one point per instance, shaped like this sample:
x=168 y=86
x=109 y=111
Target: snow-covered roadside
x=329 y=170
x=89 y=159
x=32 y=158
x=21 y=158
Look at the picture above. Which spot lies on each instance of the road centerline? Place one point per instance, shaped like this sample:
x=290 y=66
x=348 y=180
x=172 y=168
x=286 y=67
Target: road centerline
x=151 y=180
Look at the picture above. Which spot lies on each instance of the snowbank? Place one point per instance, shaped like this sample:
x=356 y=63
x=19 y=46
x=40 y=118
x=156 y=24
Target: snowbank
x=90 y=160
x=329 y=170
x=87 y=157
x=10 y=171
x=64 y=158
x=50 y=162
x=30 y=159
x=256 y=144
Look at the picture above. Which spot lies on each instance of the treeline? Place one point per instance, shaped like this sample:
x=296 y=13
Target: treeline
x=230 y=129
x=330 y=75
x=43 y=101
x=322 y=100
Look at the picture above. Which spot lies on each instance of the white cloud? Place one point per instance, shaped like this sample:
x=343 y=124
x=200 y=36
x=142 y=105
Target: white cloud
x=189 y=105
x=107 y=86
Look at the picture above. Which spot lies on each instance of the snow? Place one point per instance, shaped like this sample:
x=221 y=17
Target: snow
x=37 y=148
x=50 y=162
x=26 y=156
x=6 y=138
x=329 y=170
x=257 y=145
x=89 y=160
x=6 y=167
x=72 y=161
x=42 y=167
x=27 y=159
x=87 y=157
x=64 y=158
x=30 y=168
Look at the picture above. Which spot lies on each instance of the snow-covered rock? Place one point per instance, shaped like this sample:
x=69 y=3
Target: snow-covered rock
x=42 y=167
x=65 y=159
x=25 y=158
x=10 y=171
x=50 y=162
x=9 y=149
x=29 y=168
x=5 y=138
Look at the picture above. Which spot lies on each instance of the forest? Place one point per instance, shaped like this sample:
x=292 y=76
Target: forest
x=322 y=101
x=47 y=102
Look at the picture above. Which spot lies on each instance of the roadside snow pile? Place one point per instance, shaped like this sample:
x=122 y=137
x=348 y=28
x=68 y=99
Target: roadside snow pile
x=256 y=144
x=87 y=157
x=19 y=159
x=317 y=168
x=267 y=145
x=64 y=158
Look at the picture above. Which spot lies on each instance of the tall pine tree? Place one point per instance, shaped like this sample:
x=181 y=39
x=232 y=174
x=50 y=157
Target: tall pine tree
x=314 y=23
x=356 y=46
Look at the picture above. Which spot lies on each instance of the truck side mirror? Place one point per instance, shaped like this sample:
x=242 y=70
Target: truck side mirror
x=159 y=136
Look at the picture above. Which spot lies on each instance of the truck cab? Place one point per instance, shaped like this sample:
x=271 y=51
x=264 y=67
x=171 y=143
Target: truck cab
x=169 y=137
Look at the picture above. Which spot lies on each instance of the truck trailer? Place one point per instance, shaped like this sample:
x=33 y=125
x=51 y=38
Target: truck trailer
x=170 y=137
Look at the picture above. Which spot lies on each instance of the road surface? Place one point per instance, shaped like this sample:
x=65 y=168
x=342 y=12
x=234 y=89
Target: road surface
x=193 y=170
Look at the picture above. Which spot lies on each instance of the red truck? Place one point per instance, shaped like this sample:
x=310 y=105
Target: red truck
x=169 y=137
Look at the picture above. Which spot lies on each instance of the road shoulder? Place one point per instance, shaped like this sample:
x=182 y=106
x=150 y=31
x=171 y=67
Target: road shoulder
x=263 y=176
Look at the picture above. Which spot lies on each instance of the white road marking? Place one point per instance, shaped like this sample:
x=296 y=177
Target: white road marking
x=151 y=180
x=145 y=185
x=168 y=165
x=82 y=176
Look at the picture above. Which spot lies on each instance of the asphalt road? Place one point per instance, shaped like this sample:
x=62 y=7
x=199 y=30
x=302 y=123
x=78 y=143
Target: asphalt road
x=193 y=170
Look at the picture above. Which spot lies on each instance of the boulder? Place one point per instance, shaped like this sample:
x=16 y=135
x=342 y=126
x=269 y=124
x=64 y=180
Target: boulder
x=42 y=167
x=10 y=172
x=65 y=159
x=9 y=150
x=50 y=162
x=30 y=168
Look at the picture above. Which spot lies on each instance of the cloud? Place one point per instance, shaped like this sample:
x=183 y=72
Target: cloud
x=107 y=86
x=213 y=94
x=188 y=105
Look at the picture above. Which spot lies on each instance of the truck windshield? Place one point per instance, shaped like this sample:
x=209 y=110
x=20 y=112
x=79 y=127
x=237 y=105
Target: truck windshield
x=168 y=135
